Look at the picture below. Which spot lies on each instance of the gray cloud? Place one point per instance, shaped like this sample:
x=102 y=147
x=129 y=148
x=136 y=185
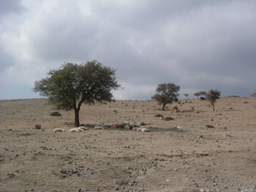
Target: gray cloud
x=199 y=45
x=10 y=7
x=6 y=60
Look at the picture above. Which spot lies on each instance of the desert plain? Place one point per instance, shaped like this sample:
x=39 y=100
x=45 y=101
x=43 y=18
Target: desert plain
x=196 y=150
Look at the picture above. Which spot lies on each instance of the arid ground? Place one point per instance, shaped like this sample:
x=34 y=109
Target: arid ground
x=195 y=157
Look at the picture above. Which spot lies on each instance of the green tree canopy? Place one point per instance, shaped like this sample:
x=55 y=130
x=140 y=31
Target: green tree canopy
x=197 y=94
x=166 y=93
x=73 y=84
x=204 y=93
x=212 y=97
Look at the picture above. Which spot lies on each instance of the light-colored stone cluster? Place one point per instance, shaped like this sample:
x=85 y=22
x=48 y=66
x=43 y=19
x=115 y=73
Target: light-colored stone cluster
x=128 y=125
x=58 y=130
x=141 y=129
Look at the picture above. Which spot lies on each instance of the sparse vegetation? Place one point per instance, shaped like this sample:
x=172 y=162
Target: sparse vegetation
x=203 y=93
x=166 y=93
x=186 y=95
x=212 y=97
x=71 y=85
x=199 y=93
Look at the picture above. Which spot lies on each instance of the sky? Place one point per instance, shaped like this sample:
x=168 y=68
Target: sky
x=197 y=44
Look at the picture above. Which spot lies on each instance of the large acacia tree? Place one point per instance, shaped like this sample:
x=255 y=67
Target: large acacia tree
x=74 y=84
x=166 y=93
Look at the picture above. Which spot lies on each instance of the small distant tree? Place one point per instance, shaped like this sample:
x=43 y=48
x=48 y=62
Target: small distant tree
x=204 y=93
x=186 y=95
x=197 y=94
x=212 y=97
x=68 y=87
x=166 y=93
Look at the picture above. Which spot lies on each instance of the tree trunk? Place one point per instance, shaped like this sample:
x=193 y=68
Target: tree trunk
x=213 y=107
x=76 y=109
x=77 y=122
x=163 y=106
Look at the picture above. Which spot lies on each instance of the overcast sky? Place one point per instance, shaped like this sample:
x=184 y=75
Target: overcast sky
x=196 y=44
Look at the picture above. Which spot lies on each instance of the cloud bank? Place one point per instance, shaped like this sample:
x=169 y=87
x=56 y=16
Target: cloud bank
x=198 y=45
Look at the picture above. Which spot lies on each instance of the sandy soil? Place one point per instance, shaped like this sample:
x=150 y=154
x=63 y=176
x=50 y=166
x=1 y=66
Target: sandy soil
x=193 y=158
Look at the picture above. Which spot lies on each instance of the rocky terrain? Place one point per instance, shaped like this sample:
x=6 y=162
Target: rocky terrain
x=188 y=149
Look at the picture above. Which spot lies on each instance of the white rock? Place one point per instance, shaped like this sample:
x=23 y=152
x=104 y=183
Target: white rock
x=179 y=127
x=58 y=130
x=139 y=129
x=126 y=122
x=97 y=127
x=83 y=128
x=132 y=124
x=126 y=127
x=145 y=130
x=77 y=129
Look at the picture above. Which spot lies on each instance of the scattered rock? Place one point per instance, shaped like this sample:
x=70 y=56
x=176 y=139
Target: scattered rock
x=37 y=126
x=168 y=118
x=98 y=127
x=178 y=127
x=142 y=123
x=158 y=115
x=125 y=124
x=143 y=129
x=56 y=113
x=76 y=129
x=122 y=182
x=58 y=130
x=83 y=128
x=11 y=175
x=209 y=126
x=127 y=127
x=226 y=135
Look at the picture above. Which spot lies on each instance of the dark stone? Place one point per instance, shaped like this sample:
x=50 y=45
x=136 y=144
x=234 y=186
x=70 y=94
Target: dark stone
x=37 y=126
x=55 y=113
